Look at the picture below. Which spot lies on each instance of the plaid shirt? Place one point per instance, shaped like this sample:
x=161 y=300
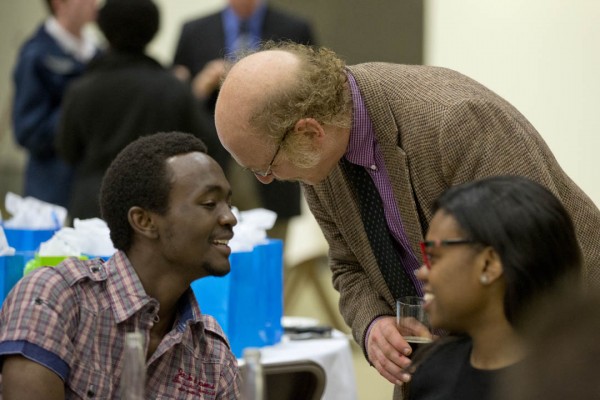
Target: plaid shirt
x=73 y=319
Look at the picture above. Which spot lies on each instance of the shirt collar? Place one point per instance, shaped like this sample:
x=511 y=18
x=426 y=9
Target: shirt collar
x=188 y=310
x=361 y=147
x=83 y=49
x=231 y=23
x=127 y=295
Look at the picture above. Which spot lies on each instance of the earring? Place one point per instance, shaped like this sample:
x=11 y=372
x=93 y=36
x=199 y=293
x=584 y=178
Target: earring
x=484 y=279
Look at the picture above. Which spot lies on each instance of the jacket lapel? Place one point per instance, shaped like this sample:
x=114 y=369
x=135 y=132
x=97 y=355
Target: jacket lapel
x=396 y=161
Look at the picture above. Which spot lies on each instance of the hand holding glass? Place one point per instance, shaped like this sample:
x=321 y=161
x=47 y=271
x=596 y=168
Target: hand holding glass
x=412 y=321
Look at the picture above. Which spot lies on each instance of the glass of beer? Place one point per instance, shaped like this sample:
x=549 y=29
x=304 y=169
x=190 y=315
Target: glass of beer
x=412 y=321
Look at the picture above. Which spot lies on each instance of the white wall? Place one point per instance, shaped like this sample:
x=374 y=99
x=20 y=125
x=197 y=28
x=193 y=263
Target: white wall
x=541 y=55
x=18 y=19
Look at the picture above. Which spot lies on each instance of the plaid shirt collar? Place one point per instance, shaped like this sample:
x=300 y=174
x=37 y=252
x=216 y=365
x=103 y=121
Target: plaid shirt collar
x=127 y=295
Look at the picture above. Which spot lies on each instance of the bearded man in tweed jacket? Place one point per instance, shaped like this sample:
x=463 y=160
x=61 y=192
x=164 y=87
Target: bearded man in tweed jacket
x=290 y=112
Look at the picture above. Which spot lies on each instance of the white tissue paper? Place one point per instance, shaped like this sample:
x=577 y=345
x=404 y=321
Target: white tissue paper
x=95 y=237
x=64 y=242
x=89 y=237
x=5 y=249
x=31 y=213
x=251 y=228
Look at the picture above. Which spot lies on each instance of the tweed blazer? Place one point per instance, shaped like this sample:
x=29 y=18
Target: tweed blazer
x=436 y=128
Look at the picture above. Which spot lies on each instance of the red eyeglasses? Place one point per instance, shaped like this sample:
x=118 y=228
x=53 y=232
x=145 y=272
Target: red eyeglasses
x=432 y=244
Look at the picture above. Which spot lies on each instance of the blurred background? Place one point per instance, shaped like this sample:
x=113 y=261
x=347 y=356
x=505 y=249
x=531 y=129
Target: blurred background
x=541 y=55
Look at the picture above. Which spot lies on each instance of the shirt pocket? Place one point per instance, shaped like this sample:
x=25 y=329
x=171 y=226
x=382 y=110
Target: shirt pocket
x=87 y=383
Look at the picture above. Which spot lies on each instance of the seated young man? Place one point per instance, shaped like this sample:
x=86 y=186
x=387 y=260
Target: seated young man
x=62 y=329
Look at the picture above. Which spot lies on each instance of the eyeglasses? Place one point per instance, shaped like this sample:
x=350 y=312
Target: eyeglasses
x=270 y=167
x=429 y=244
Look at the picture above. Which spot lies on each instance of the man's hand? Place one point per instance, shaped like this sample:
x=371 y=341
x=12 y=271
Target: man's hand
x=388 y=351
x=209 y=78
x=181 y=72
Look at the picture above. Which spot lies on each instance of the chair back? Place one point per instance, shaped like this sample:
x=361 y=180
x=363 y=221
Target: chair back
x=295 y=380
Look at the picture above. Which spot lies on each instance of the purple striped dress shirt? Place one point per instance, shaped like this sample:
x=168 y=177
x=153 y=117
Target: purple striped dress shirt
x=363 y=150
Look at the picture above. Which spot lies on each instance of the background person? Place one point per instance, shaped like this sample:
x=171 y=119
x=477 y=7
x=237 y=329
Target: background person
x=168 y=207
x=124 y=94
x=203 y=48
x=494 y=248
x=47 y=63
x=374 y=145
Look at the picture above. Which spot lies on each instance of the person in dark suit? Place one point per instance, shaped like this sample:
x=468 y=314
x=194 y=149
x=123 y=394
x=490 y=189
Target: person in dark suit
x=374 y=145
x=204 y=47
x=123 y=95
x=47 y=64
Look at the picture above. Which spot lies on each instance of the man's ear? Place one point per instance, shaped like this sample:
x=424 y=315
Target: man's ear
x=142 y=222
x=310 y=127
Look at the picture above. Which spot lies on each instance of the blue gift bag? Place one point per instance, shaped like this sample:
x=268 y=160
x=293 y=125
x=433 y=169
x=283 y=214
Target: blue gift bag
x=212 y=294
x=248 y=302
x=26 y=242
x=11 y=270
x=27 y=239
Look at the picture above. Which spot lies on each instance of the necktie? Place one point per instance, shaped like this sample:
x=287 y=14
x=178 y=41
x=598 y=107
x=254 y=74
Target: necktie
x=243 y=41
x=382 y=242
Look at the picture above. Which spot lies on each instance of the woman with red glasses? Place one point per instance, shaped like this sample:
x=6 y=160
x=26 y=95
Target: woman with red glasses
x=493 y=249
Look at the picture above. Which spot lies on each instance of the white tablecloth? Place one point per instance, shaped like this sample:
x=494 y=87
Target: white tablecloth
x=333 y=354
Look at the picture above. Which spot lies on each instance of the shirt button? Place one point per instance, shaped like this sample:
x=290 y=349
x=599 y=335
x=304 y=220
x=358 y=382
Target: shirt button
x=374 y=167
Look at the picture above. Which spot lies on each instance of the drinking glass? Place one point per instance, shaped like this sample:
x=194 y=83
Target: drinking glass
x=412 y=321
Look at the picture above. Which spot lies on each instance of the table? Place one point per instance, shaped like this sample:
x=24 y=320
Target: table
x=333 y=354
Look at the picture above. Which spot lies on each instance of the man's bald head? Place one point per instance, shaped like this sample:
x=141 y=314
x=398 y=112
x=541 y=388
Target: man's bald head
x=252 y=82
x=266 y=93
x=249 y=87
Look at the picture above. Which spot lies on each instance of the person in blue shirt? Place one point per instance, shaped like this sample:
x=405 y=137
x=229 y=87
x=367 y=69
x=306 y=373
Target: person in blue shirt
x=48 y=61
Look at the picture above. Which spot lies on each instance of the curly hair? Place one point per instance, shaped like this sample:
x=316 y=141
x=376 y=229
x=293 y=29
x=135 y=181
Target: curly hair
x=139 y=176
x=320 y=91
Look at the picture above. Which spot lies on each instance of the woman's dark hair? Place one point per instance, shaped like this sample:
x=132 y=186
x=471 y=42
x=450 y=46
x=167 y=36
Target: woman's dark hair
x=527 y=226
x=129 y=25
x=139 y=176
